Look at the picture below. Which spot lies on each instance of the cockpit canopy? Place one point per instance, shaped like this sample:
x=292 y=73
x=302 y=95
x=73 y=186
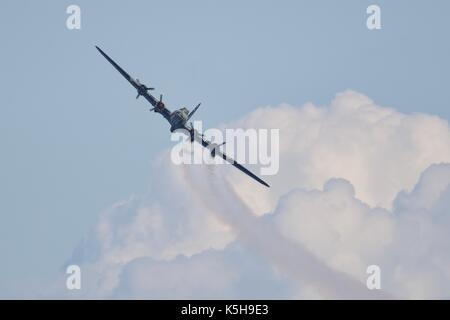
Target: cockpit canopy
x=183 y=112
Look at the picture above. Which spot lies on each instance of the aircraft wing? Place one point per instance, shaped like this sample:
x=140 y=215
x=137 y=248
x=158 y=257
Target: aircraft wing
x=205 y=143
x=147 y=96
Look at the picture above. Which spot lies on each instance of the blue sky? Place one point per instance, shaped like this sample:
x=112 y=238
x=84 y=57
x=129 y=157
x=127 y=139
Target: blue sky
x=74 y=140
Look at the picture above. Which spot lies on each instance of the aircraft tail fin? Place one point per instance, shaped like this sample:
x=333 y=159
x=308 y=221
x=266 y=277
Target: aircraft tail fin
x=193 y=111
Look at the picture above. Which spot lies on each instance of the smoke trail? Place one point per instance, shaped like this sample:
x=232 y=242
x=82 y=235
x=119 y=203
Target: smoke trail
x=215 y=193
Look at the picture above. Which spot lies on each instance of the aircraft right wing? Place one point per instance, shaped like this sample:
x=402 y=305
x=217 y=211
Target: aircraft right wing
x=207 y=144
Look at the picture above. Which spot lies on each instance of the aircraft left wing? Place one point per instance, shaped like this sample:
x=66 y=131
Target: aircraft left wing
x=133 y=82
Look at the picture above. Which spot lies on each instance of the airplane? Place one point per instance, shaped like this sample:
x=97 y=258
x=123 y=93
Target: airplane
x=178 y=119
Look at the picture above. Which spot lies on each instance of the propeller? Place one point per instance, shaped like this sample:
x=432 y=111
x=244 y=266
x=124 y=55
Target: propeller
x=160 y=101
x=192 y=133
x=214 y=148
x=139 y=84
x=142 y=86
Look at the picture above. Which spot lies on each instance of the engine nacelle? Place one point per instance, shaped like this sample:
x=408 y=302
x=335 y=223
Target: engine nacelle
x=213 y=151
x=213 y=147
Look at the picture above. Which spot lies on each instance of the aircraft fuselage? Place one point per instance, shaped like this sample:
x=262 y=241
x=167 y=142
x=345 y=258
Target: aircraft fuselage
x=178 y=119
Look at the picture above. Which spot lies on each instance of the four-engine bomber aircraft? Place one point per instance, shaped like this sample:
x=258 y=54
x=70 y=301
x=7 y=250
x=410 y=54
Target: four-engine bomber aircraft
x=178 y=119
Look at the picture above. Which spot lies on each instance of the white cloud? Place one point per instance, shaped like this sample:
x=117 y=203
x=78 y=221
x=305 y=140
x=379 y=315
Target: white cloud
x=349 y=194
x=233 y=273
x=379 y=150
x=411 y=243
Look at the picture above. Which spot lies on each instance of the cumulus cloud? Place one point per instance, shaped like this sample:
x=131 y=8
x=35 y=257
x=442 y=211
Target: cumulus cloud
x=379 y=150
x=359 y=184
x=409 y=243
